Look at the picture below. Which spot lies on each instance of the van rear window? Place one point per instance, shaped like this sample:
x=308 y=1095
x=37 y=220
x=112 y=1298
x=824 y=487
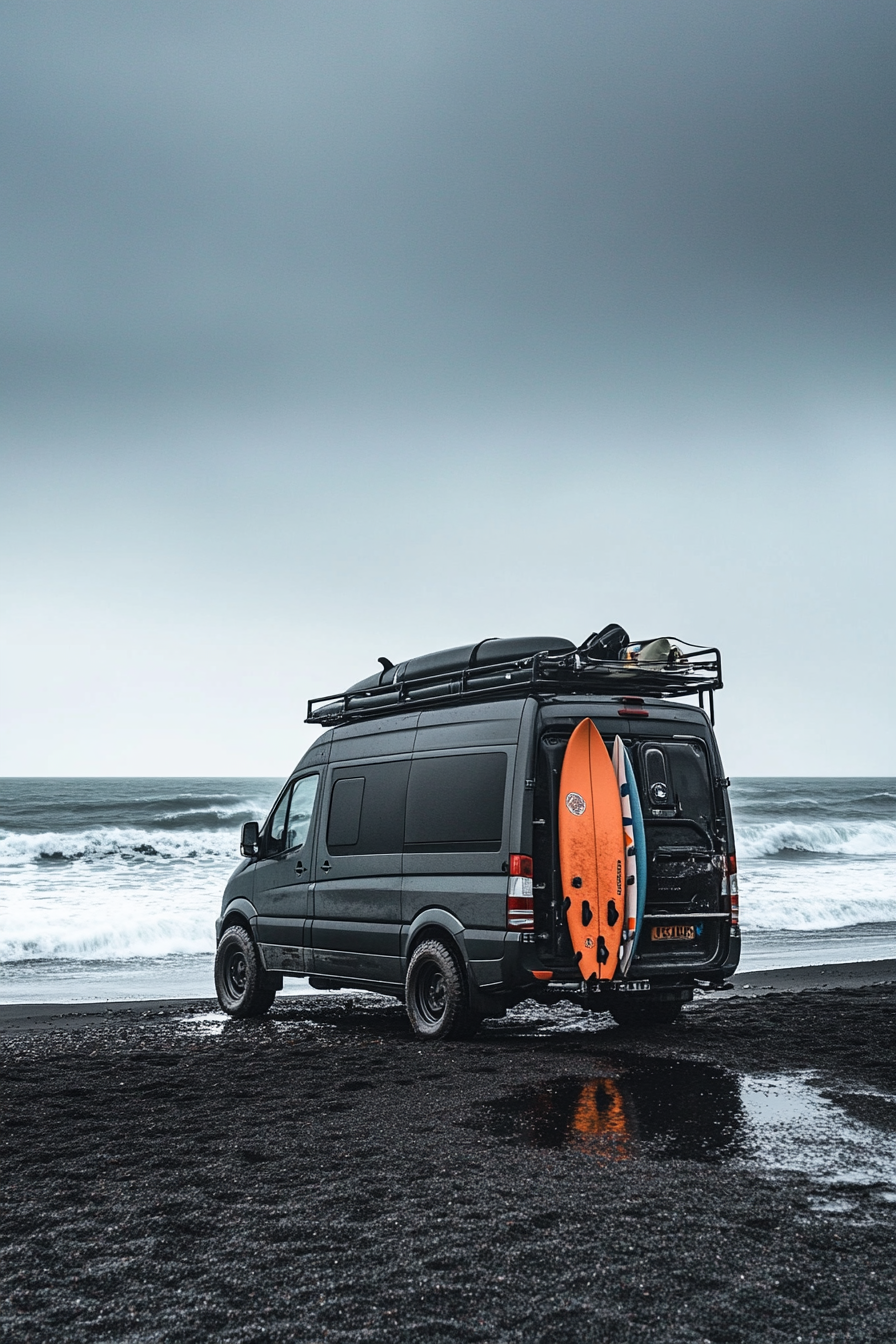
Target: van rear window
x=456 y=803
x=676 y=777
x=691 y=782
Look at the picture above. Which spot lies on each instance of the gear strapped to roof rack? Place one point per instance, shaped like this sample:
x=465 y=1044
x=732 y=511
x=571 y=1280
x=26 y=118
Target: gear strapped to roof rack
x=605 y=664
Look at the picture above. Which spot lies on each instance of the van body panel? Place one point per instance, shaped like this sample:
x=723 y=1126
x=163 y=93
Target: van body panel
x=475 y=725
x=477 y=900
x=488 y=961
x=240 y=885
x=234 y=906
x=391 y=739
x=357 y=890
x=317 y=754
x=348 y=942
x=284 y=959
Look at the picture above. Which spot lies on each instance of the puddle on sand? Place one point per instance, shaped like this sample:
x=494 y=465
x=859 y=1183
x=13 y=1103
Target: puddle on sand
x=204 y=1024
x=684 y=1110
x=215 y=1024
x=688 y=1110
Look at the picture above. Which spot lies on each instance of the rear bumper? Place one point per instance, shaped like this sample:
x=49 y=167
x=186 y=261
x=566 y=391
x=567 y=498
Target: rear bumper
x=662 y=975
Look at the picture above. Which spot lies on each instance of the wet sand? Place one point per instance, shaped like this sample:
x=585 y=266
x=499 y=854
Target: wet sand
x=320 y=1175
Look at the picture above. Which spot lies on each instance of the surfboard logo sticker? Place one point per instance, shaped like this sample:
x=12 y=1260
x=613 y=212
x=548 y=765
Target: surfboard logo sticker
x=575 y=804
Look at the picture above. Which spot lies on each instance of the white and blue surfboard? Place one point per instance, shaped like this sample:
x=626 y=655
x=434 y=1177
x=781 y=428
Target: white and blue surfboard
x=635 y=854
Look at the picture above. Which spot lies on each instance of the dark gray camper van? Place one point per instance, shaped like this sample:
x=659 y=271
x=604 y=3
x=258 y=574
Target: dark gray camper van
x=414 y=848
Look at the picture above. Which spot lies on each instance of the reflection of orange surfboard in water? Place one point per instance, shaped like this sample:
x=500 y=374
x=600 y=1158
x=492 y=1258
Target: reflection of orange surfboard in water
x=592 y=853
x=599 y=1118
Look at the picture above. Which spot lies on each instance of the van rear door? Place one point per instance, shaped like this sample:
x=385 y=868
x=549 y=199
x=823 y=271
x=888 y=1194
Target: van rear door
x=685 y=918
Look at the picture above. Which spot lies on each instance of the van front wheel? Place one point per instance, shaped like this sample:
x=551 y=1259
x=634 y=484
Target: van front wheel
x=436 y=995
x=244 y=987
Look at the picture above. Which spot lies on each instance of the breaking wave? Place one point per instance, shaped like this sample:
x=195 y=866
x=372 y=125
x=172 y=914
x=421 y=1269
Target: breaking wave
x=837 y=897
x=855 y=839
x=112 y=844
x=87 y=933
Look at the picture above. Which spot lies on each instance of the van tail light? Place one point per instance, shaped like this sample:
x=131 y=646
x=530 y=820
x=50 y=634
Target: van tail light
x=733 y=896
x=520 y=907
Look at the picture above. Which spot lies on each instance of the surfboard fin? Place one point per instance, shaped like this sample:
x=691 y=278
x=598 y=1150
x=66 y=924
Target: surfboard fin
x=612 y=913
x=587 y=914
x=603 y=952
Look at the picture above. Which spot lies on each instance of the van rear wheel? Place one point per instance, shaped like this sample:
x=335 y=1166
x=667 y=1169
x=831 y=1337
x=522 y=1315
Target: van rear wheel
x=244 y=987
x=436 y=995
x=628 y=1012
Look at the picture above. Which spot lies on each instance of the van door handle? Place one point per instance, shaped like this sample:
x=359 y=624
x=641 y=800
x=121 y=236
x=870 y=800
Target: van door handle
x=325 y=866
x=300 y=867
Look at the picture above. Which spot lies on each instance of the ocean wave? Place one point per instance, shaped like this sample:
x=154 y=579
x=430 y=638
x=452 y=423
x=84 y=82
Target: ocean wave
x=84 y=936
x=117 y=844
x=63 y=807
x=209 y=818
x=834 y=898
x=854 y=839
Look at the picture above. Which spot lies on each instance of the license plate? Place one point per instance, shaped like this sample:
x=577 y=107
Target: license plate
x=667 y=933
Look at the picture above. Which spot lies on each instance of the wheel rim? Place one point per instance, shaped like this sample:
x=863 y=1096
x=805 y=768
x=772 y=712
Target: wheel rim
x=237 y=973
x=431 y=993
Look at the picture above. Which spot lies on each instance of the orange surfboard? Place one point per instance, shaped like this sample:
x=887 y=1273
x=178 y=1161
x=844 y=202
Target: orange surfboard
x=592 y=853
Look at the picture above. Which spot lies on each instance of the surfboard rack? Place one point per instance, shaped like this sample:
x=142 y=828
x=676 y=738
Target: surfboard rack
x=508 y=668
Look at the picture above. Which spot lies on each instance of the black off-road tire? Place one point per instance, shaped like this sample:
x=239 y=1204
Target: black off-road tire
x=244 y=987
x=437 y=995
x=635 y=1012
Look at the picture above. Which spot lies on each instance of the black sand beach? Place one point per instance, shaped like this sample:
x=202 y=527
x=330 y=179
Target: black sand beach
x=321 y=1175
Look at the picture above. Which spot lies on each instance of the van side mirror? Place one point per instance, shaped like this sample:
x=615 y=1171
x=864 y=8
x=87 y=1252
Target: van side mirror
x=249 y=840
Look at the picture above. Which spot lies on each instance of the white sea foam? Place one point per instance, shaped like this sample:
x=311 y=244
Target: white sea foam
x=109 y=894
x=91 y=933
x=851 y=838
x=114 y=844
x=828 y=894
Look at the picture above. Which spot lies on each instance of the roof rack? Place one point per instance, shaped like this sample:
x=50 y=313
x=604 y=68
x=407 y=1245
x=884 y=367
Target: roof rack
x=667 y=668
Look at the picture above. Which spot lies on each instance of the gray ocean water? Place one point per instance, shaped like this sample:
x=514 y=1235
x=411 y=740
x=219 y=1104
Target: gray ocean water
x=109 y=888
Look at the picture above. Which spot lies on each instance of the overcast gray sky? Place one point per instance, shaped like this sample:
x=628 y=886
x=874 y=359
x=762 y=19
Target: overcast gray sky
x=332 y=330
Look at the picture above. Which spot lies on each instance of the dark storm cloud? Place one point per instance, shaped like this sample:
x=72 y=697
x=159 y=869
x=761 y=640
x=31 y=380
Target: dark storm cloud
x=423 y=199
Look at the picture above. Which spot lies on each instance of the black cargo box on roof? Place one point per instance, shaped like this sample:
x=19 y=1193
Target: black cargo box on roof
x=484 y=654
x=495 y=668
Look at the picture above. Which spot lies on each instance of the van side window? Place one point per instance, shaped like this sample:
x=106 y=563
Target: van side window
x=367 y=808
x=277 y=832
x=344 y=825
x=300 y=810
x=456 y=803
